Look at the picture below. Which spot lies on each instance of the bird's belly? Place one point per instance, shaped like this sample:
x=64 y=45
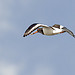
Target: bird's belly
x=48 y=31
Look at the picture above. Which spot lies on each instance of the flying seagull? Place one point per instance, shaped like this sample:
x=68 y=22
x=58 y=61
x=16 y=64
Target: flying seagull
x=47 y=30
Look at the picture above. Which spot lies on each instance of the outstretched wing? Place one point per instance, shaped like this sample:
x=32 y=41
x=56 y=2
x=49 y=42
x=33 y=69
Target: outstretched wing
x=33 y=27
x=69 y=31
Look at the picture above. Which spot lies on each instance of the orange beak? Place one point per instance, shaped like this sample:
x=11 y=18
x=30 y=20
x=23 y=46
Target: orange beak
x=34 y=32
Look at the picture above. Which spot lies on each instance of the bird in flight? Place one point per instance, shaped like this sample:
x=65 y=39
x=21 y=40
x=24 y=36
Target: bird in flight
x=47 y=30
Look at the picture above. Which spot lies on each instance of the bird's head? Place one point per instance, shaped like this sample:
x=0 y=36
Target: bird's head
x=62 y=29
x=58 y=26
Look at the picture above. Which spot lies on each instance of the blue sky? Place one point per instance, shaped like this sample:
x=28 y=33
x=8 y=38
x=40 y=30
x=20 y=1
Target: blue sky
x=36 y=54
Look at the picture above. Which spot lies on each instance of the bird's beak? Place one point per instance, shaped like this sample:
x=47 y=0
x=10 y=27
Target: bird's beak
x=34 y=32
x=69 y=31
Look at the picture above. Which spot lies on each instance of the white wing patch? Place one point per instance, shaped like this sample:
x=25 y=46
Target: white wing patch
x=57 y=30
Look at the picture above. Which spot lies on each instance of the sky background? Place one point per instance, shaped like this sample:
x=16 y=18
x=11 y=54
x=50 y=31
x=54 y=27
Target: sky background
x=36 y=54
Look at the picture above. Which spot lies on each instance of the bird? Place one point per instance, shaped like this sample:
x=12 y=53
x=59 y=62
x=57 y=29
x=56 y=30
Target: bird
x=47 y=30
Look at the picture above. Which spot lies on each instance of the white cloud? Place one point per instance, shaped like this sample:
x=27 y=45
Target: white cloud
x=7 y=68
x=5 y=15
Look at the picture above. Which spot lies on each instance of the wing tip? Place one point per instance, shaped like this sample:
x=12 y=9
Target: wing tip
x=24 y=35
x=74 y=36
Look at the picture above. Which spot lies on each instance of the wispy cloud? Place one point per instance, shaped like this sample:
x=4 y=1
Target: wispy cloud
x=8 y=13
x=5 y=28
x=5 y=15
x=7 y=68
